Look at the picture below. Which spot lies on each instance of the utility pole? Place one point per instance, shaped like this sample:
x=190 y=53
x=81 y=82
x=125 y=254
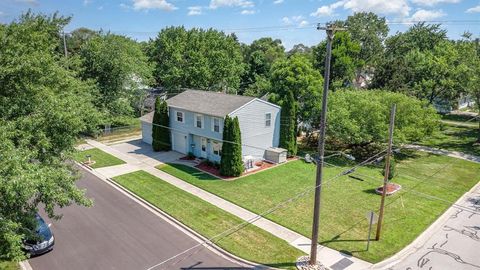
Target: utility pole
x=330 y=30
x=65 y=45
x=387 y=172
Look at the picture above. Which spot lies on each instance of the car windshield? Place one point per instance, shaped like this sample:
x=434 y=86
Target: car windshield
x=43 y=231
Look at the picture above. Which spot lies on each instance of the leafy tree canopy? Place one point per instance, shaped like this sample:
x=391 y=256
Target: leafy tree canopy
x=196 y=58
x=121 y=70
x=357 y=117
x=43 y=108
x=296 y=74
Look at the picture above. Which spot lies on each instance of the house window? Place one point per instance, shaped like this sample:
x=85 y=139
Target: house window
x=180 y=117
x=217 y=148
x=268 y=119
x=199 y=121
x=216 y=125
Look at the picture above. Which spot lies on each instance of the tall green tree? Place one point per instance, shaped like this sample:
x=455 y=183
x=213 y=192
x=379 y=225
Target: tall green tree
x=288 y=123
x=226 y=161
x=345 y=60
x=296 y=74
x=196 y=58
x=231 y=163
x=43 y=108
x=370 y=31
x=120 y=69
x=160 y=124
x=77 y=38
x=359 y=118
x=259 y=58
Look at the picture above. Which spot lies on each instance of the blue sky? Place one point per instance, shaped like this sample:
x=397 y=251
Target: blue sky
x=292 y=21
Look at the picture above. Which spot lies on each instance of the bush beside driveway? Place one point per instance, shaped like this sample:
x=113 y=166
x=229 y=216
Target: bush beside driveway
x=346 y=200
x=250 y=242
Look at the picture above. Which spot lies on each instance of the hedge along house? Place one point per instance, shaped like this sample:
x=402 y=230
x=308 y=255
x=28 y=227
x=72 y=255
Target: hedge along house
x=197 y=117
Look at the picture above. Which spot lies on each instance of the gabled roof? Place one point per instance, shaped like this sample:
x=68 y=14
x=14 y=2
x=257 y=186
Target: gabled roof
x=207 y=102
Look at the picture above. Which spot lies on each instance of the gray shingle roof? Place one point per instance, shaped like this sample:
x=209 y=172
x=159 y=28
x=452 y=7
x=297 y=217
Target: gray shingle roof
x=207 y=102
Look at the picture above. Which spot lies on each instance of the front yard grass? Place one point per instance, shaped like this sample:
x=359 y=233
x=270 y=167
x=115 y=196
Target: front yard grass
x=250 y=243
x=455 y=138
x=346 y=201
x=101 y=158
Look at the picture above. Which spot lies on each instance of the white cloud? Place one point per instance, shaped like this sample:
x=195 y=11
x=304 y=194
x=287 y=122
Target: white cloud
x=396 y=7
x=247 y=12
x=153 y=4
x=195 y=10
x=231 y=3
x=295 y=20
x=434 y=2
x=303 y=23
x=86 y=2
x=474 y=9
x=426 y=15
x=276 y=2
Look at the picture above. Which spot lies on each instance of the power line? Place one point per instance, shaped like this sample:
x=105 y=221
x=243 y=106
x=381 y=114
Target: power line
x=299 y=195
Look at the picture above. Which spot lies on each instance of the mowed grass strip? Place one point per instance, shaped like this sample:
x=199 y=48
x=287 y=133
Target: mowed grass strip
x=101 y=158
x=250 y=242
x=346 y=200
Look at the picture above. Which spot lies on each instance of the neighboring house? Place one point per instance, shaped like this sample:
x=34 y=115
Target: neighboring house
x=443 y=106
x=150 y=97
x=197 y=117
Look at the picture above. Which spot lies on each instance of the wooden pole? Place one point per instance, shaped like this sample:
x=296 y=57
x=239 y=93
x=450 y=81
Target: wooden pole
x=387 y=172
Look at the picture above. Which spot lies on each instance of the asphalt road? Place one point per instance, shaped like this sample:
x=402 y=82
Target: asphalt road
x=118 y=233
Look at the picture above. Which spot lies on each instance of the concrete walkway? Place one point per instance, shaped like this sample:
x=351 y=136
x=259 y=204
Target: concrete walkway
x=329 y=257
x=437 y=151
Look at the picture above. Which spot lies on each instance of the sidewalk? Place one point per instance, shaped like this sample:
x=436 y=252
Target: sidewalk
x=329 y=257
x=452 y=241
x=437 y=151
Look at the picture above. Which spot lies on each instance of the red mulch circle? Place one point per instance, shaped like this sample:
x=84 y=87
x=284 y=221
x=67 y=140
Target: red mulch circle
x=391 y=189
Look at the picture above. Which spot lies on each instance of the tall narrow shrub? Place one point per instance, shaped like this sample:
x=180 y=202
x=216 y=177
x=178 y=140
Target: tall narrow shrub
x=160 y=131
x=225 y=162
x=391 y=171
x=288 y=123
x=237 y=162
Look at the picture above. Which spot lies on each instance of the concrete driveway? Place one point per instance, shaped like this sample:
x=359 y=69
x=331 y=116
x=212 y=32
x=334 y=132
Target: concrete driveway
x=144 y=153
x=454 y=242
x=119 y=233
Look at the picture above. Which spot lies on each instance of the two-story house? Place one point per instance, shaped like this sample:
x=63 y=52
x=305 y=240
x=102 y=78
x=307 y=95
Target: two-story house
x=197 y=117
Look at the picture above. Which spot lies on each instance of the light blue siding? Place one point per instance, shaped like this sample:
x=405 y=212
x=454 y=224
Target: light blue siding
x=194 y=133
x=254 y=131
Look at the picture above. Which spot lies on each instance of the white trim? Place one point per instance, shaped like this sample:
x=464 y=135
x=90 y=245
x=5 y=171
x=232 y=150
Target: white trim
x=183 y=116
x=255 y=99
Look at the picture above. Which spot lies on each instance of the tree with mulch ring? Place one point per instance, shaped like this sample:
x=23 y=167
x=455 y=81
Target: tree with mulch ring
x=160 y=124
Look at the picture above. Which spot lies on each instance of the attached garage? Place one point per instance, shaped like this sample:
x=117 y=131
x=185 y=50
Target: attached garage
x=179 y=142
x=147 y=127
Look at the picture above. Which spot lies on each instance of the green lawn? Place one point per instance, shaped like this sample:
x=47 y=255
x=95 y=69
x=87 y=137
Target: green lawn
x=345 y=201
x=453 y=136
x=251 y=243
x=8 y=265
x=101 y=158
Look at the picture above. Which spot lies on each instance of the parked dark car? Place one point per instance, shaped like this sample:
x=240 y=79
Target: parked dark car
x=43 y=241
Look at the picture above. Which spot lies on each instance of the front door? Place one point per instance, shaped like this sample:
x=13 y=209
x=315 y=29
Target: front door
x=203 y=149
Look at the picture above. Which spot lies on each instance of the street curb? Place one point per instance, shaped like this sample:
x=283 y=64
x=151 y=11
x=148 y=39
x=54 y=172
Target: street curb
x=25 y=265
x=177 y=224
x=418 y=243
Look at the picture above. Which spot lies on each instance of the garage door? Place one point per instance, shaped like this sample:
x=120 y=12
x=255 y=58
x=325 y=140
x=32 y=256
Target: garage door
x=179 y=142
x=147 y=132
